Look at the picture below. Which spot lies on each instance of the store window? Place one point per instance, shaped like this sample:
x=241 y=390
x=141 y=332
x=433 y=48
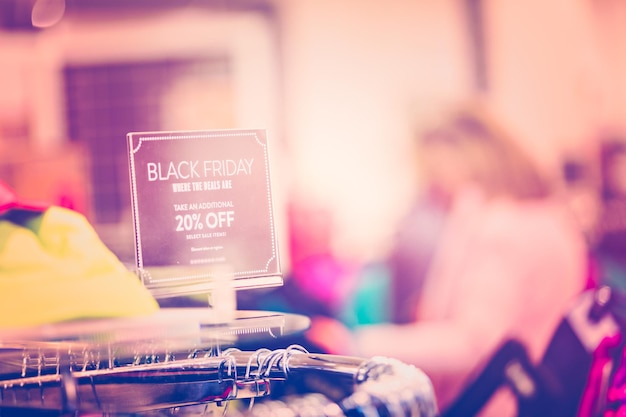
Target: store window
x=106 y=101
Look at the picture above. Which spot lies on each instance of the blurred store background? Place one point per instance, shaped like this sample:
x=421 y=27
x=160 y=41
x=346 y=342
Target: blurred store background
x=340 y=85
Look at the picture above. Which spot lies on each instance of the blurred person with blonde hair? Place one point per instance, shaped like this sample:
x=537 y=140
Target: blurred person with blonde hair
x=510 y=260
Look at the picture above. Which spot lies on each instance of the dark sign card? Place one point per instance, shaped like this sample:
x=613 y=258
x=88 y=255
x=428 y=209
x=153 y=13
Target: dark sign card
x=202 y=205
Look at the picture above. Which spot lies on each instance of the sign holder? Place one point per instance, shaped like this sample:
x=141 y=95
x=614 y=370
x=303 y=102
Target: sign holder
x=202 y=210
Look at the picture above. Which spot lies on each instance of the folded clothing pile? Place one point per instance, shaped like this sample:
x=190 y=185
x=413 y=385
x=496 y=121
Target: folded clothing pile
x=55 y=268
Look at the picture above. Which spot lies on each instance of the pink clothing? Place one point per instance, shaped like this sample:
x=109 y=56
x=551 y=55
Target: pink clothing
x=504 y=269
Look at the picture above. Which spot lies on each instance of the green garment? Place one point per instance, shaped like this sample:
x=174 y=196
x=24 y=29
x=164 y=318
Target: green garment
x=54 y=268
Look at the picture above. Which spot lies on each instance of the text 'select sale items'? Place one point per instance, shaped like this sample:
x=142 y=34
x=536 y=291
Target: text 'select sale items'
x=202 y=206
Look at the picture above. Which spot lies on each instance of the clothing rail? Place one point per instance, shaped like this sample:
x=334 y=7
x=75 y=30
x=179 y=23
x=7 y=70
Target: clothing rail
x=75 y=379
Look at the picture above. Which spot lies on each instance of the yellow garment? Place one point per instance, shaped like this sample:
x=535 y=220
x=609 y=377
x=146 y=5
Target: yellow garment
x=55 y=268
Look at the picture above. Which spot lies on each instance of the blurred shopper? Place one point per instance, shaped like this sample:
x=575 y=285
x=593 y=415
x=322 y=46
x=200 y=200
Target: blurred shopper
x=609 y=248
x=510 y=260
x=582 y=193
x=605 y=391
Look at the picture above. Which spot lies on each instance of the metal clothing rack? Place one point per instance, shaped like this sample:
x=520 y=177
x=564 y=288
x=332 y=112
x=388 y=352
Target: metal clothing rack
x=176 y=375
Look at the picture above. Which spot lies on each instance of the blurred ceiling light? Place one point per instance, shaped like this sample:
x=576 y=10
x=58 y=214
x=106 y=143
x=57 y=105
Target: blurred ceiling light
x=47 y=13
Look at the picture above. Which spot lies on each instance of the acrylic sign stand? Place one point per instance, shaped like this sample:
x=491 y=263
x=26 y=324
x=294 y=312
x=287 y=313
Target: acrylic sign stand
x=202 y=210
